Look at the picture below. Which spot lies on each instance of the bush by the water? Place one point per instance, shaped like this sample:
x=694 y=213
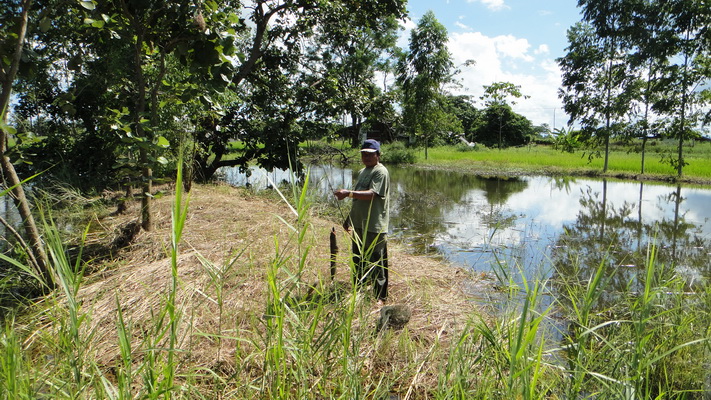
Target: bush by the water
x=398 y=153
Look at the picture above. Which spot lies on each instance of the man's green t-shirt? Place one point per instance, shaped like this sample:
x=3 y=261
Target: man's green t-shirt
x=375 y=213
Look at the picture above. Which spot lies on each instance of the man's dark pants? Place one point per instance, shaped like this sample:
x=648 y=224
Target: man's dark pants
x=370 y=258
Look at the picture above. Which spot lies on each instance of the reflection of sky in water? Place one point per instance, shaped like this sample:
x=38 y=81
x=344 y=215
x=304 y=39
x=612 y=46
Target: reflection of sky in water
x=541 y=211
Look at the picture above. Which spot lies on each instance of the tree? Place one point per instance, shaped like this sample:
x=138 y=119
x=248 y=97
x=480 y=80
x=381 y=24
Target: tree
x=597 y=85
x=502 y=127
x=14 y=28
x=422 y=74
x=648 y=52
x=282 y=89
x=495 y=98
x=153 y=73
x=690 y=21
x=125 y=65
x=649 y=58
x=469 y=116
x=154 y=31
x=341 y=68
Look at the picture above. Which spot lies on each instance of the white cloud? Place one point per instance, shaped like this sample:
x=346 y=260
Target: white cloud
x=505 y=58
x=513 y=47
x=542 y=49
x=509 y=59
x=462 y=26
x=494 y=5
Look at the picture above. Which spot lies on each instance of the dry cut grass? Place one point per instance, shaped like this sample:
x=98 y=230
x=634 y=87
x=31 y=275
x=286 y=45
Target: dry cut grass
x=238 y=235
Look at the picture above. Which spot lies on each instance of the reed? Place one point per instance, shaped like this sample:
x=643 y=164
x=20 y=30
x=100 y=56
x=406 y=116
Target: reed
x=636 y=344
x=15 y=381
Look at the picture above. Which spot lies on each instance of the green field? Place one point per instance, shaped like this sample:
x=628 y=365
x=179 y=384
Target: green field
x=623 y=161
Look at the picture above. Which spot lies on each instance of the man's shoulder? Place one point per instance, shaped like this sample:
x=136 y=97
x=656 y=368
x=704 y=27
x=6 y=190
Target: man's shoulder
x=381 y=168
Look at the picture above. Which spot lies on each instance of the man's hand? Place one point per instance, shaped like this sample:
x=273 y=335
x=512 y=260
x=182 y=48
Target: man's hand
x=341 y=193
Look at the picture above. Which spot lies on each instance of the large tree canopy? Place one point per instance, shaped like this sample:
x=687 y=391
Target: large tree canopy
x=115 y=89
x=502 y=127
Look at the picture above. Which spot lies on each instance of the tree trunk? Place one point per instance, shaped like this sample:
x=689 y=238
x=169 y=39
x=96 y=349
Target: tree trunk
x=644 y=147
x=36 y=251
x=146 y=178
x=355 y=131
x=147 y=190
x=682 y=123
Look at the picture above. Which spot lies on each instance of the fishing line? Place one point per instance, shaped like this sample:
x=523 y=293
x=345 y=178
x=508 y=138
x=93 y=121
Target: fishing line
x=330 y=188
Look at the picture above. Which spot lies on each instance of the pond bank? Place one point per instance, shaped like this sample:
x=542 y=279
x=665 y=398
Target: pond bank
x=484 y=170
x=231 y=242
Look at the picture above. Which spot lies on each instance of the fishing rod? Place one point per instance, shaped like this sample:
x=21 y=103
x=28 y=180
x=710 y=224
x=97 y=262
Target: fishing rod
x=332 y=190
x=332 y=236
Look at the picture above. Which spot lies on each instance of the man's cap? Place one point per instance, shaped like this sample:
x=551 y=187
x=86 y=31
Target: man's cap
x=370 y=146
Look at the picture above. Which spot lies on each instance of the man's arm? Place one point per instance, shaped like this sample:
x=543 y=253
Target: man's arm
x=355 y=194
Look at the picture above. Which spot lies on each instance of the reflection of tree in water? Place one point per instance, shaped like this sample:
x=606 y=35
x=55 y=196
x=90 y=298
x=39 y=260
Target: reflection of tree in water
x=498 y=190
x=562 y=183
x=682 y=245
x=619 y=239
x=422 y=198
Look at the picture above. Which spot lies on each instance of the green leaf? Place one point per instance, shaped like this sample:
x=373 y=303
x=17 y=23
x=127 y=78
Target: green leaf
x=45 y=24
x=89 y=5
x=162 y=160
x=9 y=129
x=162 y=142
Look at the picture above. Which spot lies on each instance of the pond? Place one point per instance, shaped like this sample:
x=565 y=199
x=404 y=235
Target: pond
x=536 y=227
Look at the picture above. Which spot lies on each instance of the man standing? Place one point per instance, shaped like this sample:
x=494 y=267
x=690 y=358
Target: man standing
x=369 y=219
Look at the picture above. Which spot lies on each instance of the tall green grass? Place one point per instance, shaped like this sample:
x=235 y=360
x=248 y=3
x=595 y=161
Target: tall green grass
x=565 y=337
x=649 y=342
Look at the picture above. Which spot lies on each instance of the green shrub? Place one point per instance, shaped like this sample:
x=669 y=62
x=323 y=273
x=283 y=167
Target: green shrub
x=398 y=153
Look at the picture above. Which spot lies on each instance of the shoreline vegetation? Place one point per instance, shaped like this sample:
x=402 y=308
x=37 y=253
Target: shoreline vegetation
x=230 y=297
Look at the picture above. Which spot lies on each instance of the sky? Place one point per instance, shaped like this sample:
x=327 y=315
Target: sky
x=514 y=41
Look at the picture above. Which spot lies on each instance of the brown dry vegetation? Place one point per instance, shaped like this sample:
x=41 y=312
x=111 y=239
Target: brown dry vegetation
x=232 y=226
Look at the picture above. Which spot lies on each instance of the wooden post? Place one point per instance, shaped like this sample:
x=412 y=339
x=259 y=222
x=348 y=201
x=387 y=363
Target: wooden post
x=334 y=251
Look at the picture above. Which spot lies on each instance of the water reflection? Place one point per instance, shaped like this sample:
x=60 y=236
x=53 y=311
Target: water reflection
x=11 y=218
x=538 y=223
x=619 y=235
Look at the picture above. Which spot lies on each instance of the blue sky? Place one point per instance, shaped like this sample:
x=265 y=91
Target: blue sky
x=513 y=41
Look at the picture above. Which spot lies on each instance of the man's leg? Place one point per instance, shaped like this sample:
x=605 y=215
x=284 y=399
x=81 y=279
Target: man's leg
x=379 y=263
x=375 y=269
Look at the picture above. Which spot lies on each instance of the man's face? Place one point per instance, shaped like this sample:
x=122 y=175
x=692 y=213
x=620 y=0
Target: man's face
x=369 y=159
